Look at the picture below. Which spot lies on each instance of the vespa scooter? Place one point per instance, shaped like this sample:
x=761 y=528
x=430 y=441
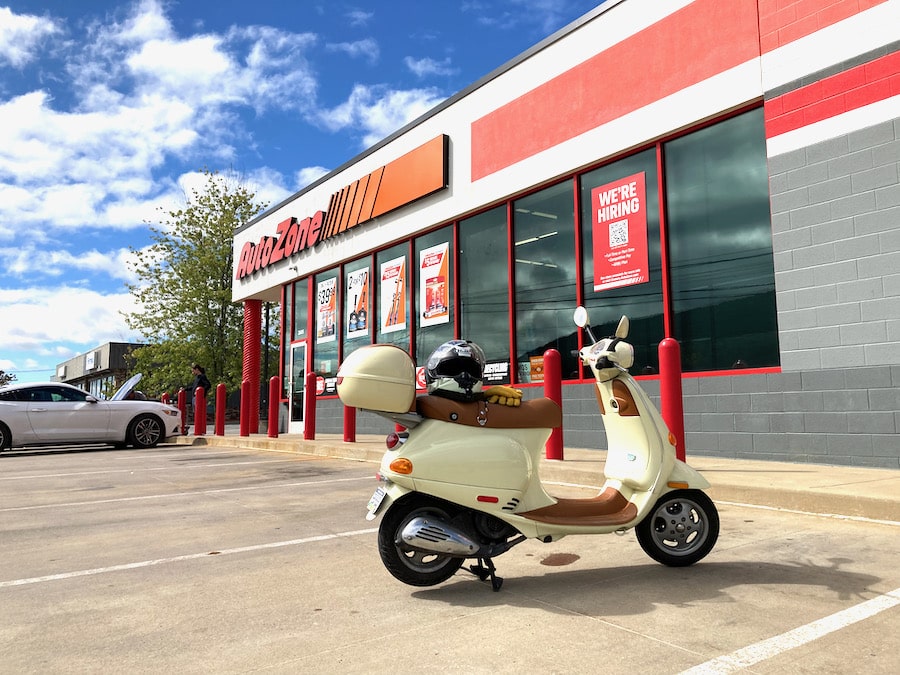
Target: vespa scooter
x=461 y=481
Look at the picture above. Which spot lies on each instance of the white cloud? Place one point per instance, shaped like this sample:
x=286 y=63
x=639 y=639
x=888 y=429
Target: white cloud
x=21 y=36
x=308 y=176
x=367 y=49
x=358 y=17
x=35 y=319
x=379 y=111
x=428 y=66
x=545 y=15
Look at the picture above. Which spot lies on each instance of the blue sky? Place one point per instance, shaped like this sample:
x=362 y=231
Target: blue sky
x=109 y=110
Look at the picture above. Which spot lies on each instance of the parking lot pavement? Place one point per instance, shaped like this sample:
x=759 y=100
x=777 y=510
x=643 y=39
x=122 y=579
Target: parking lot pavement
x=199 y=559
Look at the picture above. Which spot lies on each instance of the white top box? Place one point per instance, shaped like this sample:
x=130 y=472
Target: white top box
x=378 y=377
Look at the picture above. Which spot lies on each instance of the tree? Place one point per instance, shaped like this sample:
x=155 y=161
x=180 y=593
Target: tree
x=6 y=378
x=184 y=290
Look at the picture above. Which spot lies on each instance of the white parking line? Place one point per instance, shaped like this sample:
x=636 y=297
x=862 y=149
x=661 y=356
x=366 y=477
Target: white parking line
x=181 y=558
x=152 y=468
x=753 y=654
x=185 y=494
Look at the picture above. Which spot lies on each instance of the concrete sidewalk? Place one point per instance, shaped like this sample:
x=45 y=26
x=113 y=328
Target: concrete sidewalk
x=838 y=490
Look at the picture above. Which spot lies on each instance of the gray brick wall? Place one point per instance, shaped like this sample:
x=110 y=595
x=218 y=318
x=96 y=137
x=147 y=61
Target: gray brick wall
x=836 y=239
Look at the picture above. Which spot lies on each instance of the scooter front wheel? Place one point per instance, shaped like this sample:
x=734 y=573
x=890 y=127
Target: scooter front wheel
x=411 y=566
x=681 y=529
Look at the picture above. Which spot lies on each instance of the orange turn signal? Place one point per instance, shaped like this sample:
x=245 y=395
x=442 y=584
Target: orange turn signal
x=678 y=484
x=401 y=465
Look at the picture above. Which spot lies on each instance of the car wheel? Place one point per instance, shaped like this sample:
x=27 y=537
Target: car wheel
x=5 y=437
x=146 y=431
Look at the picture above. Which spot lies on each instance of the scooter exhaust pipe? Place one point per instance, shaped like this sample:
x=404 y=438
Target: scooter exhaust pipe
x=435 y=536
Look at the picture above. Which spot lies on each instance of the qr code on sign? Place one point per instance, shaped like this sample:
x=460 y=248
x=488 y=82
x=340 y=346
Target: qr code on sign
x=618 y=233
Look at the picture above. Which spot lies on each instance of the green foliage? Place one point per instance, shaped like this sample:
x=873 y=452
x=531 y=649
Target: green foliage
x=184 y=291
x=6 y=378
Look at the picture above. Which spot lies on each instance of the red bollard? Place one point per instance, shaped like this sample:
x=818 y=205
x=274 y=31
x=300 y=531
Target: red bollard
x=553 y=391
x=164 y=398
x=309 y=407
x=220 y=409
x=182 y=406
x=672 y=401
x=246 y=401
x=274 y=400
x=199 y=412
x=349 y=424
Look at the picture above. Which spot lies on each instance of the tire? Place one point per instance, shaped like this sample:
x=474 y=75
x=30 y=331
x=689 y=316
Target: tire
x=146 y=431
x=681 y=529
x=415 y=568
x=5 y=437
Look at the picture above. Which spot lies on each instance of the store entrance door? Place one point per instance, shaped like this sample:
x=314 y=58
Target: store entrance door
x=296 y=388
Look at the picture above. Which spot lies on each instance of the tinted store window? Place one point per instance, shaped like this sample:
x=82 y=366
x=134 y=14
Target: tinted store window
x=484 y=289
x=392 y=297
x=545 y=279
x=325 y=325
x=621 y=259
x=357 y=305
x=433 y=298
x=301 y=301
x=720 y=246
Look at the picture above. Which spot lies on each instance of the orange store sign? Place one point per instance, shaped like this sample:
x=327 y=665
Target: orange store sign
x=415 y=175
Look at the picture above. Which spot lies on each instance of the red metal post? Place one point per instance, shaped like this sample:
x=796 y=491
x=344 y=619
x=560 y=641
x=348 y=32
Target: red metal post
x=245 y=408
x=671 y=398
x=274 y=400
x=164 y=398
x=220 y=409
x=309 y=407
x=182 y=406
x=553 y=391
x=199 y=412
x=349 y=424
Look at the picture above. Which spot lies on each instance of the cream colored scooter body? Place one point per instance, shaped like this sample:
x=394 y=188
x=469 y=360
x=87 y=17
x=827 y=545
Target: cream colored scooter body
x=496 y=471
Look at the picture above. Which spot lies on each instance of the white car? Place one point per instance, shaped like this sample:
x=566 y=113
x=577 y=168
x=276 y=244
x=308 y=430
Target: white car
x=55 y=413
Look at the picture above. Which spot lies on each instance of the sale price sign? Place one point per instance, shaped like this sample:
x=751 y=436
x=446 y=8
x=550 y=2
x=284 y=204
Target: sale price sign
x=619 y=220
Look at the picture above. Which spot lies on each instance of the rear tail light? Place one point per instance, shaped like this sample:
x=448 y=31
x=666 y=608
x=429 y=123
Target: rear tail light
x=394 y=439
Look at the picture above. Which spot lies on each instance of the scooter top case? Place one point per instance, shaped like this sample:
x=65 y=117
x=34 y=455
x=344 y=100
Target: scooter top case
x=378 y=377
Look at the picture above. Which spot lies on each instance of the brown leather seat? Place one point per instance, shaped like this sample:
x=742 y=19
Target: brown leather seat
x=608 y=508
x=540 y=413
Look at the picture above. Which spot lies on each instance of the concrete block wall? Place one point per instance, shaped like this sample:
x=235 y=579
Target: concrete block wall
x=836 y=240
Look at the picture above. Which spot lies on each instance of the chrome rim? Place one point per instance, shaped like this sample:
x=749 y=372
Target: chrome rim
x=679 y=526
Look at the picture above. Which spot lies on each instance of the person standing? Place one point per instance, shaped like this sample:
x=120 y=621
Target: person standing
x=200 y=380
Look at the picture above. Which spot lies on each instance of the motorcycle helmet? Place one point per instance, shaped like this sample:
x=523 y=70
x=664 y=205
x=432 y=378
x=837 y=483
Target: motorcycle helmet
x=455 y=370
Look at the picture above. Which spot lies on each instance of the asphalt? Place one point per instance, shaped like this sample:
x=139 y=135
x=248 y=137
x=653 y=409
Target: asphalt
x=842 y=491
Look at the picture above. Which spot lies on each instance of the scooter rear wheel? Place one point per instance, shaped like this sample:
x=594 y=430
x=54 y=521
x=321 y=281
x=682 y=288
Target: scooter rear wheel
x=681 y=529
x=413 y=567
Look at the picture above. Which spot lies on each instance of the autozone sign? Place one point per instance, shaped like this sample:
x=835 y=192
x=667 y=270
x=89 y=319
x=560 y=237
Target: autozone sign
x=416 y=174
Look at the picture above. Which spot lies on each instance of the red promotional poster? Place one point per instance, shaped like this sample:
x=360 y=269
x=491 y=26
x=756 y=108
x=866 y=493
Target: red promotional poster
x=620 y=233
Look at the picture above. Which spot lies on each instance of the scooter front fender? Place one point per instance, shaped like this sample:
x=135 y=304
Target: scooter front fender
x=682 y=473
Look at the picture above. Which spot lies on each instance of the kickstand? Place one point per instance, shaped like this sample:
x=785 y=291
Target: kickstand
x=485 y=570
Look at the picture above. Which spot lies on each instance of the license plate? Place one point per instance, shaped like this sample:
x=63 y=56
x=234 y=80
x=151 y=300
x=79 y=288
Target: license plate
x=375 y=502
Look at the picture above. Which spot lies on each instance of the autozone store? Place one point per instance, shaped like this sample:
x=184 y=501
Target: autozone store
x=723 y=173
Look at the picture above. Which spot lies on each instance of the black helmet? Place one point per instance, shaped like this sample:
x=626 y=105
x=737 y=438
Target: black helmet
x=455 y=370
